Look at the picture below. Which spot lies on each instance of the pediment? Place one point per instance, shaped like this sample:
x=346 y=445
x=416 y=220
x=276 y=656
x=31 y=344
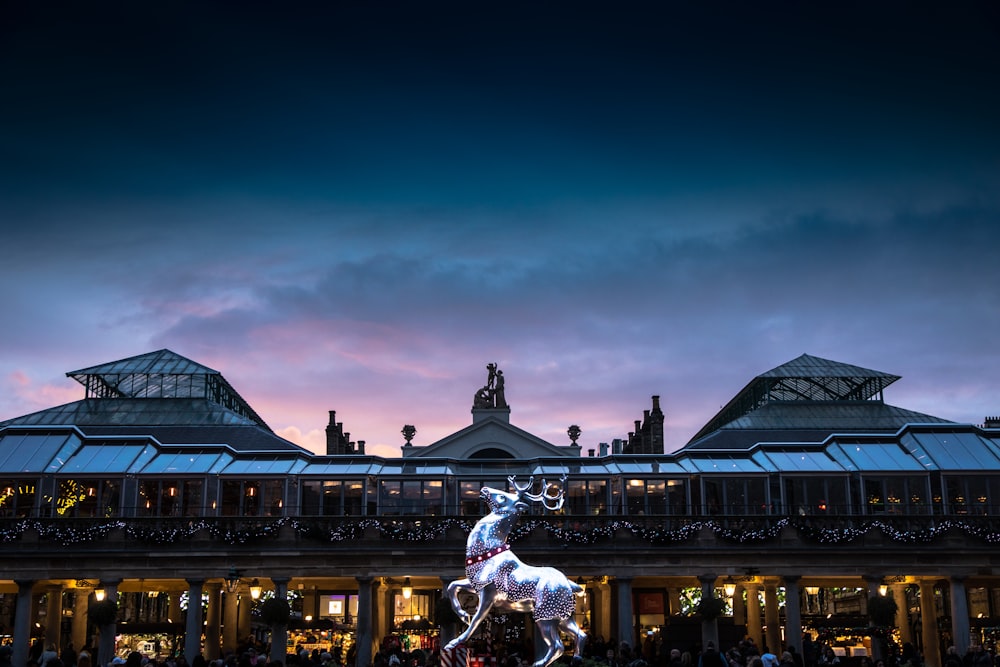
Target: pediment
x=491 y=437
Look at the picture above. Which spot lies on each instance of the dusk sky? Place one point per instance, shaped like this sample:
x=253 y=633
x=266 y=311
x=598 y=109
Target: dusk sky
x=355 y=206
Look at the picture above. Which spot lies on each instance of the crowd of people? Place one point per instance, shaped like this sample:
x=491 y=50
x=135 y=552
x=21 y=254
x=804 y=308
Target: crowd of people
x=653 y=652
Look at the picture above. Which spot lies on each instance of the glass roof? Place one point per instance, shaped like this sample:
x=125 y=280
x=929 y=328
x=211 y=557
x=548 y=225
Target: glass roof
x=30 y=452
x=335 y=468
x=723 y=464
x=795 y=460
x=114 y=457
x=889 y=456
x=186 y=463
x=416 y=467
x=952 y=451
x=259 y=466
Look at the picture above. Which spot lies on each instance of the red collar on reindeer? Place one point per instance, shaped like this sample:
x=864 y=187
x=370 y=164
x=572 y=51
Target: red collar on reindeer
x=472 y=560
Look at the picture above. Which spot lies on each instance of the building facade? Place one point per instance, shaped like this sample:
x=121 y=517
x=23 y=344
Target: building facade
x=804 y=501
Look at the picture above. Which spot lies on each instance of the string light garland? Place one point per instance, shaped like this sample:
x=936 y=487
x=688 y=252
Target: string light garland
x=337 y=529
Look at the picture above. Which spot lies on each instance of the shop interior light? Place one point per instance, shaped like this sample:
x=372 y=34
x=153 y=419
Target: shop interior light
x=407 y=589
x=255 y=589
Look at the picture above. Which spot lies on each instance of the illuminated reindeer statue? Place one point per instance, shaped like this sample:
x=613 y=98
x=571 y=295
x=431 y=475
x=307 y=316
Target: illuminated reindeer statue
x=503 y=582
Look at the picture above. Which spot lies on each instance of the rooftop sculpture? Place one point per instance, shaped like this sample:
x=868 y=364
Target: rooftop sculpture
x=491 y=396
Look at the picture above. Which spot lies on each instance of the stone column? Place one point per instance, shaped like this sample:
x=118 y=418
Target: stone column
x=230 y=621
x=22 y=624
x=739 y=606
x=626 y=628
x=928 y=625
x=193 y=624
x=245 y=603
x=602 y=609
x=279 y=633
x=364 y=623
x=772 y=637
x=81 y=604
x=106 y=649
x=710 y=626
x=213 y=625
x=902 y=613
x=793 y=614
x=872 y=585
x=753 y=615
x=959 y=614
x=53 y=615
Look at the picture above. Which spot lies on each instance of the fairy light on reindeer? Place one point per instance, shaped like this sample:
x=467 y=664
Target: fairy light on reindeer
x=502 y=582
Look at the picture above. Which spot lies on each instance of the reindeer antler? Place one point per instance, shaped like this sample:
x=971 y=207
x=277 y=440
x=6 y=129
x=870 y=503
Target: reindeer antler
x=544 y=497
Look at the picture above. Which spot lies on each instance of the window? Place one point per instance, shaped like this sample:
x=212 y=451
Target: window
x=17 y=498
x=586 y=496
x=253 y=497
x=171 y=497
x=87 y=498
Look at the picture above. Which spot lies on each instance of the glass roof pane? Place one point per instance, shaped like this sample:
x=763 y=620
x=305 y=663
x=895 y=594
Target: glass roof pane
x=956 y=451
x=220 y=463
x=795 y=461
x=182 y=463
x=105 y=458
x=36 y=453
x=329 y=468
x=262 y=466
x=886 y=456
x=721 y=464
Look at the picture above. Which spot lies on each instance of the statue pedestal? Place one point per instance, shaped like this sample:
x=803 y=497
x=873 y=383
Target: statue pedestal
x=482 y=414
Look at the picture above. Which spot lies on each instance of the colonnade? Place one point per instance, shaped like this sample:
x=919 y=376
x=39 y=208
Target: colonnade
x=611 y=613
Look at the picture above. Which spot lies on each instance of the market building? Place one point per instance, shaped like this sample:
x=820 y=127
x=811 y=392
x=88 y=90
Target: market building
x=805 y=501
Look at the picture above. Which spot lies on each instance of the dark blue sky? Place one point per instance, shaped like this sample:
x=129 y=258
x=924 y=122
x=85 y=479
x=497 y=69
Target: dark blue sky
x=349 y=205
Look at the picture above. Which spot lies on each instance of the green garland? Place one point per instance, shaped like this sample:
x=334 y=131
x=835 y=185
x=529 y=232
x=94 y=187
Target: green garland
x=657 y=532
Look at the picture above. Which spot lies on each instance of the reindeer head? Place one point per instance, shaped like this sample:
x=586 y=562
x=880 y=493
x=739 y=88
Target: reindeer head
x=503 y=502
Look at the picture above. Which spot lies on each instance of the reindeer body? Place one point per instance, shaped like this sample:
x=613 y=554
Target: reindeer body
x=503 y=581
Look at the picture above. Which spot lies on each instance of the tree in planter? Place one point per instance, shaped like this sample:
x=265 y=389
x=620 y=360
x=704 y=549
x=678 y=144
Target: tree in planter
x=103 y=613
x=710 y=608
x=274 y=611
x=882 y=610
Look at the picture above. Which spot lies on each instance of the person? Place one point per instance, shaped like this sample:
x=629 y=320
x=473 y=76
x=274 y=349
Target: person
x=711 y=658
x=5 y=653
x=769 y=659
x=786 y=659
x=68 y=656
x=828 y=657
x=48 y=655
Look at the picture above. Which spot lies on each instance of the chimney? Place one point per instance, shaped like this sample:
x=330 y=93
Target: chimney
x=590 y=452
x=991 y=422
x=656 y=418
x=604 y=449
x=616 y=446
x=331 y=434
x=361 y=446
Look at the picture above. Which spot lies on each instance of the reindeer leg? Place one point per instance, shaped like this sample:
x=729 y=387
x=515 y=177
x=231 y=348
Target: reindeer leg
x=454 y=588
x=486 y=598
x=570 y=627
x=549 y=629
